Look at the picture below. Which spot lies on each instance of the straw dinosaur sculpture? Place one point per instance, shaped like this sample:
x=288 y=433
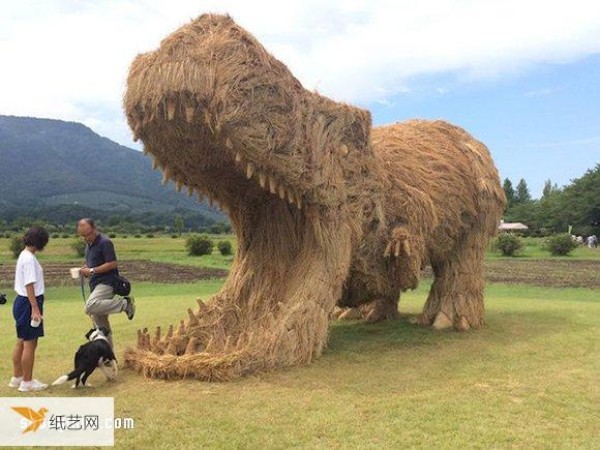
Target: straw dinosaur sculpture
x=326 y=209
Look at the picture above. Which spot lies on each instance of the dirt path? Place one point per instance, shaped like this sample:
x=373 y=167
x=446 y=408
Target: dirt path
x=57 y=274
x=552 y=273
x=542 y=272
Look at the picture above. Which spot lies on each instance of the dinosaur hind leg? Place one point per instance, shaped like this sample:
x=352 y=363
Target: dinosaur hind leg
x=456 y=296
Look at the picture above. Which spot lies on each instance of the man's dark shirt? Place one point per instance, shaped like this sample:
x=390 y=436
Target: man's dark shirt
x=97 y=253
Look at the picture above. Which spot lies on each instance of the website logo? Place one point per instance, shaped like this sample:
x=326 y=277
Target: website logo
x=58 y=421
x=35 y=417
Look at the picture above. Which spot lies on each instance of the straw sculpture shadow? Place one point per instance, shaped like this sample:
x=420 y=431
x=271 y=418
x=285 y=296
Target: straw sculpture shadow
x=327 y=210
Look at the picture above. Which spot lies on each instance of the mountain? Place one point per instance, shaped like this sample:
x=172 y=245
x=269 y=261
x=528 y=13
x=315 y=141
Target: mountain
x=51 y=167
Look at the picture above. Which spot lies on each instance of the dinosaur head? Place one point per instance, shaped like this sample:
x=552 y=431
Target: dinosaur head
x=294 y=170
x=220 y=115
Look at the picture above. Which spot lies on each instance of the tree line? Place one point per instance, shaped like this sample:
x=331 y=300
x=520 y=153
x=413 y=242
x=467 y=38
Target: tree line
x=178 y=221
x=574 y=207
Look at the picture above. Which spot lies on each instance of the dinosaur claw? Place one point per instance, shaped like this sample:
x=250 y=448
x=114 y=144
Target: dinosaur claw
x=388 y=250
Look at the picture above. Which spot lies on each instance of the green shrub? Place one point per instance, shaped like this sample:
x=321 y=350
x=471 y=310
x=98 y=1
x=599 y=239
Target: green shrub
x=198 y=245
x=125 y=236
x=65 y=235
x=16 y=246
x=112 y=235
x=150 y=235
x=79 y=247
x=224 y=247
x=137 y=236
x=174 y=236
x=560 y=244
x=55 y=236
x=508 y=244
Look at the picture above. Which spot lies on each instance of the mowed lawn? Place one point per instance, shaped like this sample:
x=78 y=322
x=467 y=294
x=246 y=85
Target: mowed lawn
x=529 y=379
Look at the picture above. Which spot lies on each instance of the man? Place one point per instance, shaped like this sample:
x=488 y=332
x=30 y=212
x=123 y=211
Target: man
x=101 y=269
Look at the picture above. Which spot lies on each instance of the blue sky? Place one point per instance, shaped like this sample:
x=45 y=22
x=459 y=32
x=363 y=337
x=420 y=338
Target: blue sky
x=541 y=124
x=520 y=75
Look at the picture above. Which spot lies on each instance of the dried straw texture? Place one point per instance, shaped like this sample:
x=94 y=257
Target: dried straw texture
x=323 y=215
x=220 y=115
x=443 y=202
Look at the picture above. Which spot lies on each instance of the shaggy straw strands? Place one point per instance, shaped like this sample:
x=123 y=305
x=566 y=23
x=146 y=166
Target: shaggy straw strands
x=326 y=210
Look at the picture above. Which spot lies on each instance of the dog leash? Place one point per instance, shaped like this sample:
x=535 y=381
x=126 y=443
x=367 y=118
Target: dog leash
x=82 y=287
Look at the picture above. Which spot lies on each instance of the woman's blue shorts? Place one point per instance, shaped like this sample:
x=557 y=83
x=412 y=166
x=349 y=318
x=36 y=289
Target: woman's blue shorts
x=22 y=315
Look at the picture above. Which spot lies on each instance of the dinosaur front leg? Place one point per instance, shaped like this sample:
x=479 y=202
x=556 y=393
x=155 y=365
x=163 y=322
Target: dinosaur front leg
x=374 y=291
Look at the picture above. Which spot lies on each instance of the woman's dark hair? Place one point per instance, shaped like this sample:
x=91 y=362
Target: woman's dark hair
x=36 y=237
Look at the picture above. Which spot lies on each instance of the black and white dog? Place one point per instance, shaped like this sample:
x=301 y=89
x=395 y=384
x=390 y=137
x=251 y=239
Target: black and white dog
x=95 y=353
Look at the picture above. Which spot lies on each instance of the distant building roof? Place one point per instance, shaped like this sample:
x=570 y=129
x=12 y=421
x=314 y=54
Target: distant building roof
x=506 y=226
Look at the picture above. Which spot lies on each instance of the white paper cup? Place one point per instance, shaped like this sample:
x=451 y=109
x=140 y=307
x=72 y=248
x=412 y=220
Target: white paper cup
x=35 y=323
x=75 y=273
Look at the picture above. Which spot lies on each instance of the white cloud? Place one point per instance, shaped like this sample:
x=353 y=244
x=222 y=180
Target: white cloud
x=69 y=59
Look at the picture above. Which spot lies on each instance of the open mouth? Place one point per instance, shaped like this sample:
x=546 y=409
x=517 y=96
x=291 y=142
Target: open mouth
x=198 y=155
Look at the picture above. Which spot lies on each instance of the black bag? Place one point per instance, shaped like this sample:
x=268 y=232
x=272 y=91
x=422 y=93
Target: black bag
x=121 y=286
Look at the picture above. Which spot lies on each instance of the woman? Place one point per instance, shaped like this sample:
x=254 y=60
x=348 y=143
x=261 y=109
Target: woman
x=28 y=309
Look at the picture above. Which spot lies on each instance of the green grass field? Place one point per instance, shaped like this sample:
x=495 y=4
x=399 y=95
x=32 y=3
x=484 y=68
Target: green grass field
x=529 y=379
x=172 y=250
x=160 y=249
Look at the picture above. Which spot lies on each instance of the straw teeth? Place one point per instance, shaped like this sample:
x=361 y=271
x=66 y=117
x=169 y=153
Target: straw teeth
x=249 y=170
x=166 y=176
x=272 y=185
x=170 y=109
x=268 y=183
x=189 y=113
